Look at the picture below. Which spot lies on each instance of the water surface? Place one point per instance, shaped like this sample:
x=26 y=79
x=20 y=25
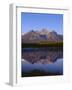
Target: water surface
x=42 y=62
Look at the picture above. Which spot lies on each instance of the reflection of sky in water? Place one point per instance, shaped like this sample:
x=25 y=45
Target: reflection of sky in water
x=42 y=60
x=52 y=67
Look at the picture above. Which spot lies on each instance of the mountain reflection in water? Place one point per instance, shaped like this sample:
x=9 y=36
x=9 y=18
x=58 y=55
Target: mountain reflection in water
x=42 y=62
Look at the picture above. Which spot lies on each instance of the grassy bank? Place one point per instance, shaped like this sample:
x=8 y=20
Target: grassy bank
x=38 y=45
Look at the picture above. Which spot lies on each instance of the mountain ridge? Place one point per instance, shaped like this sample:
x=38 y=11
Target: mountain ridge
x=42 y=35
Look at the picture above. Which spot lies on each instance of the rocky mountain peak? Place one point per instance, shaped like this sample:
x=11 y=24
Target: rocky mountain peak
x=42 y=35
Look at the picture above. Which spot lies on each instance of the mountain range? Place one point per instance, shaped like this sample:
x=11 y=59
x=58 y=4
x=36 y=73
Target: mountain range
x=40 y=36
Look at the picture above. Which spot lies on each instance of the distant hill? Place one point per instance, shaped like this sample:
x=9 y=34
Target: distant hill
x=40 y=36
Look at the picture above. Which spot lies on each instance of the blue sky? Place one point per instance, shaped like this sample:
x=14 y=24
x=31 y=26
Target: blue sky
x=37 y=21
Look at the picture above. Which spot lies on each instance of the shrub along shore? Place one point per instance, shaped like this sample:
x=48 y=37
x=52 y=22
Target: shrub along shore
x=38 y=45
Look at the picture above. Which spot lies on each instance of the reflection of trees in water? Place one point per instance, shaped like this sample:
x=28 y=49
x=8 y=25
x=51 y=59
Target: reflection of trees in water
x=37 y=72
x=43 y=57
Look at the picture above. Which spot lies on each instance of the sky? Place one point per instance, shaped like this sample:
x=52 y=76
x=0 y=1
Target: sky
x=38 y=21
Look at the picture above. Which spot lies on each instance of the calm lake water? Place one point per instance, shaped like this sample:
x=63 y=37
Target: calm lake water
x=41 y=62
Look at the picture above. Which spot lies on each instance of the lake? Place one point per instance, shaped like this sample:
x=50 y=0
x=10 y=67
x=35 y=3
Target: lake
x=41 y=62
